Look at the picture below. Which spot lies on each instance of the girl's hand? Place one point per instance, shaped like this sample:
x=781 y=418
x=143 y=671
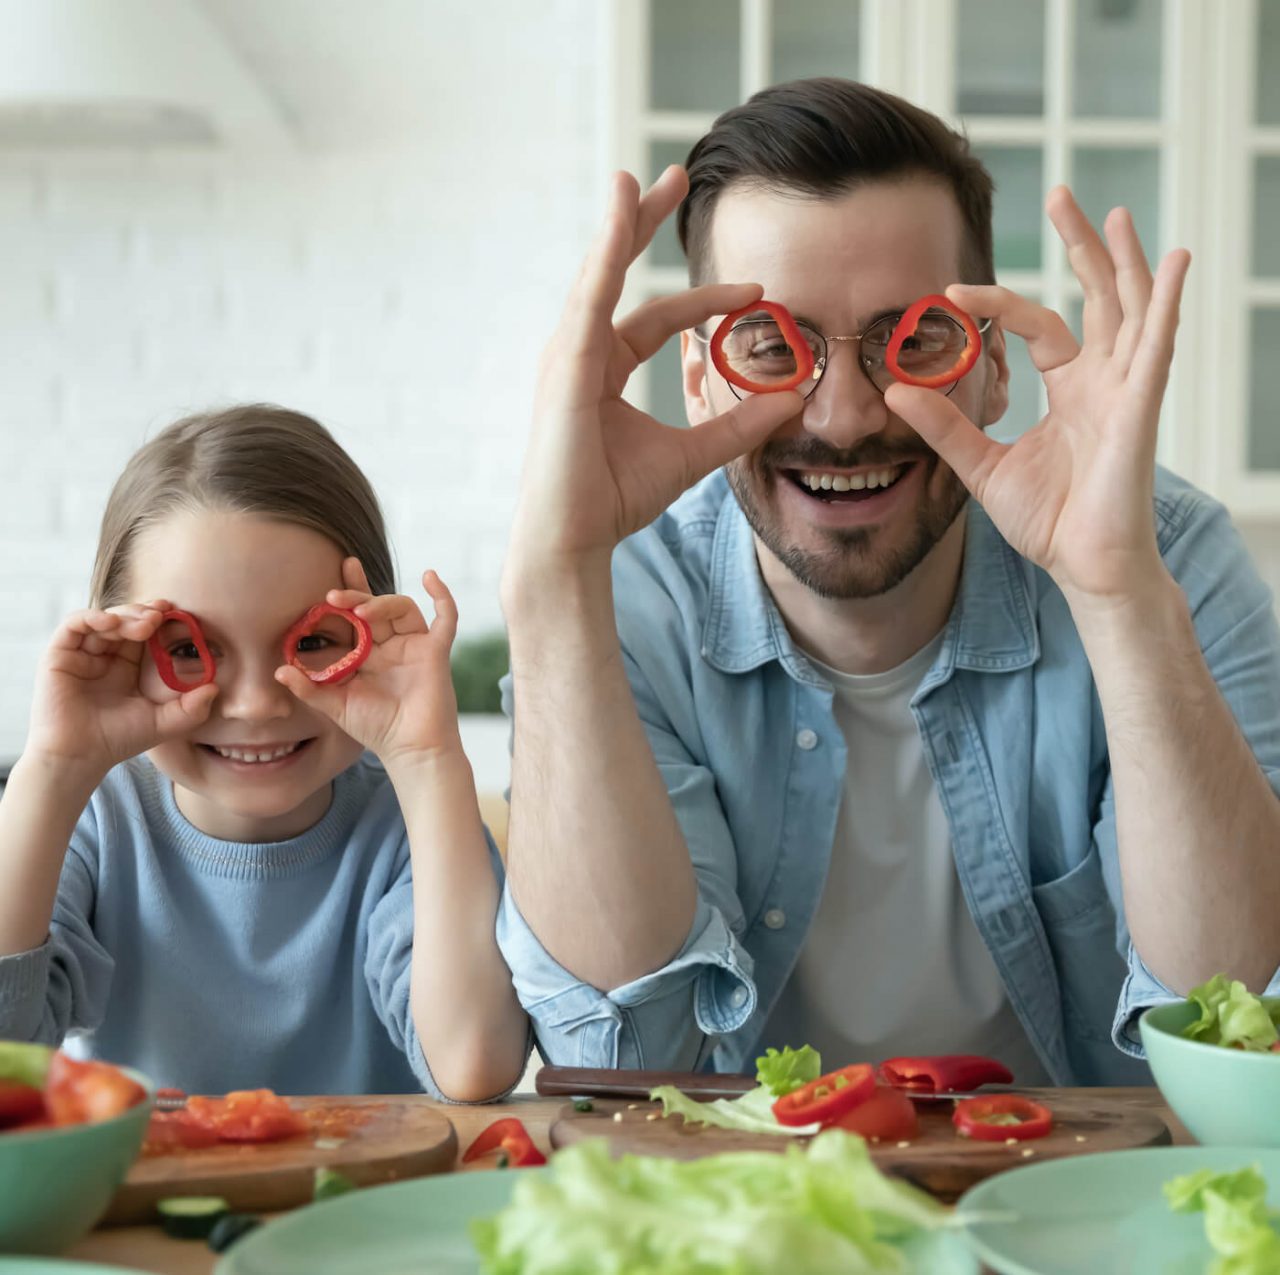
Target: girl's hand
x=1074 y=494
x=89 y=710
x=400 y=704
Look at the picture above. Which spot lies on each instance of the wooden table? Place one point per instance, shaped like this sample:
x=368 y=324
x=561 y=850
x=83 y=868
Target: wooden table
x=147 y=1248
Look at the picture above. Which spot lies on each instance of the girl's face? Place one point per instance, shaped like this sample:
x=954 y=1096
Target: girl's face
x=247 y=579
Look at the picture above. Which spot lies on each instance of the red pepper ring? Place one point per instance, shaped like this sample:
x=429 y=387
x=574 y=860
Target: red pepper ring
x=824 y=1100
x=164 y=661
x=1001 y=1117
x=339 y=669
x=509 y=1136
x=906 y=328
x=790 y=333
x=942 y=1073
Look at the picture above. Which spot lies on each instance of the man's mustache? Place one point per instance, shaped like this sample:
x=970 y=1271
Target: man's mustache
x=811 y=453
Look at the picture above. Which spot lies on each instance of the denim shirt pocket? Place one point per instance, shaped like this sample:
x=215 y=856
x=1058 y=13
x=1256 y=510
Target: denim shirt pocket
x=1080 y=924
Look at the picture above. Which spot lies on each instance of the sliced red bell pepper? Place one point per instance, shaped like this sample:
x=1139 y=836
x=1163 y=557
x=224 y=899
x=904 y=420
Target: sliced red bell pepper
x=164 y=661
x=944 y=1073
x=821 y=1101
x=888 y=1115
x=511 y=1138
x=790 y=333
x=906 y=328
x=339 y=669
x=1000 y=1117
x=19 y=1103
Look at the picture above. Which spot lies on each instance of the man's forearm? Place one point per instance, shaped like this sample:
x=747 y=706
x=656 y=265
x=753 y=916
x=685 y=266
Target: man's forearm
x=597 y=864
x=1198 y=824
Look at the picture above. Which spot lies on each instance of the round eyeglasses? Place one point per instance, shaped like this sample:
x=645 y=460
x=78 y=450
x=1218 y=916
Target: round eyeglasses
x=761 y=349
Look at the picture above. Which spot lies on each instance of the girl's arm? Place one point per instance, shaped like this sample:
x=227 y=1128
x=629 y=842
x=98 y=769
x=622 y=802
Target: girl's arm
x=401 y=706
x=87 y=715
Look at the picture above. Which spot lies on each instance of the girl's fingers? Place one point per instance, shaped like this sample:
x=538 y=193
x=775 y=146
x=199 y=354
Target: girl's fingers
x=445 y=624
x=1092 y=265
x=353 y=575
x=347 y=599
x=325 y=698
x=1049 y=341
x=176 y=717
x=391 y=614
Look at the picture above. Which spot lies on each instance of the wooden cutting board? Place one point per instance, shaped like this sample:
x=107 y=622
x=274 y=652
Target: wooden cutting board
x=379 y=1139
x=938 y=1160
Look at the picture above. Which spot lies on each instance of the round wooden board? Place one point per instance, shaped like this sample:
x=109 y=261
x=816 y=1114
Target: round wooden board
x=388 y=1138
x=939 y=1160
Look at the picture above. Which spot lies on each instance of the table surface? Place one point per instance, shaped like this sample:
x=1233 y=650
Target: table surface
x=147 y=1248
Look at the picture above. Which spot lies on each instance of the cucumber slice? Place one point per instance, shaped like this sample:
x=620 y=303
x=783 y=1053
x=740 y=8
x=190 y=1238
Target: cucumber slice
x=191 y=1217
x=227 y=1230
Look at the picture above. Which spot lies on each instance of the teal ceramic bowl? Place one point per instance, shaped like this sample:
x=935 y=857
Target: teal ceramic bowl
x=1225 y=1097
x=56 y=1183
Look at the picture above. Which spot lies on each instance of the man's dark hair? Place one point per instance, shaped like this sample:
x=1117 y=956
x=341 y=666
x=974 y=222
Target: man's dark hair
x=825 y=137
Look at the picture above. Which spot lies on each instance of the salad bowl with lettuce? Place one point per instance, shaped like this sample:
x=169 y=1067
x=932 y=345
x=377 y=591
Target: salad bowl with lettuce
x=1216 y=1059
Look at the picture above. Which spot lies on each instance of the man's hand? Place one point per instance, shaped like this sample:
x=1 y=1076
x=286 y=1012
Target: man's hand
x=597 y=468
x=1074 y=493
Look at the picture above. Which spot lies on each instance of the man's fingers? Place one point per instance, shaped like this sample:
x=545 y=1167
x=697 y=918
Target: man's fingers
x=956 y=439
x=650 y=326
x=1151 y=360
x=1092 y=265
x=657 y=204
x=729 y=435
x=1133 y=280
x=1050 y=342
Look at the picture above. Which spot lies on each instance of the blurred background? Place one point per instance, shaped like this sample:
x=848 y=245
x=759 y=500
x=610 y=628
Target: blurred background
x=371 y=210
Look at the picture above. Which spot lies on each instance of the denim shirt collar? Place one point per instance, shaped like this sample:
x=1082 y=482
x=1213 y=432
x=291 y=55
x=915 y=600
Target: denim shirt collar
x=991 y=629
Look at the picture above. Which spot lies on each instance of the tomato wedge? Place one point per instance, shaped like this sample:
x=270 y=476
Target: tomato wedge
x=1001 y=1117
x=511 y=1138
x=888 y=1115
x=821 y=1101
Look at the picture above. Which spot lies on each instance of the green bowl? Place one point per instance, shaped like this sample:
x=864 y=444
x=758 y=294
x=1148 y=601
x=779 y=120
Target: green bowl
x=1225 y=1097
x=56 y=1183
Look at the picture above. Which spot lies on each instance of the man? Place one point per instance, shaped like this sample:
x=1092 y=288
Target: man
x=827 y=752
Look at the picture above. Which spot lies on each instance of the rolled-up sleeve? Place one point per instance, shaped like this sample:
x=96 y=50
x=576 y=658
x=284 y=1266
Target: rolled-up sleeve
x=1235 y=622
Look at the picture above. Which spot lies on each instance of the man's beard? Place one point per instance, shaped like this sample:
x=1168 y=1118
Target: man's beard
x=854 y=566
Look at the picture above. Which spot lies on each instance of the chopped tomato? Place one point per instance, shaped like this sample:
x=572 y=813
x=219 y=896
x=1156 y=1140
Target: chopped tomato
x=19 y=1104
x=247 y=1115
x=888 y=1115
x=823 y=1100
x=1001 y=1117
x=172 y=1131
x=87 y=1092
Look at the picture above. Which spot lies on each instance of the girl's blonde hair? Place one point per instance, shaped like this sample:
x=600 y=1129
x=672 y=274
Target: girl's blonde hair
x=256 y=459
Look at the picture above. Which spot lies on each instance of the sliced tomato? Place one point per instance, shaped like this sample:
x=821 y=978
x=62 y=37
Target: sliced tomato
x=19 y=1104
x=888 y=1115
x=247 y=1115
x=78 y=1092
x=172 y=1131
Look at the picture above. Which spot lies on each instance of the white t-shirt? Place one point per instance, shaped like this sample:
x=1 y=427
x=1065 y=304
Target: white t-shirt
x=893 y=963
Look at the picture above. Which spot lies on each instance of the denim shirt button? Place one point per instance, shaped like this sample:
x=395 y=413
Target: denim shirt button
x=807 y=739
x=775 y=918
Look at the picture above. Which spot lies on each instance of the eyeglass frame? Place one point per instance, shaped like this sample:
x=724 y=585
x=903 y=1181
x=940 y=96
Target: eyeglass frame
x=820 y=364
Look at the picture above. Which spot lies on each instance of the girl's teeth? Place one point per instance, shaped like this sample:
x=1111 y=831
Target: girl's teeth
x=237 y=754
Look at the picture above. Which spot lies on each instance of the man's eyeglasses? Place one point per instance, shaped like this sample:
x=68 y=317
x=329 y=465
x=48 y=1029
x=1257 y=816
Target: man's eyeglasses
x=762 y=349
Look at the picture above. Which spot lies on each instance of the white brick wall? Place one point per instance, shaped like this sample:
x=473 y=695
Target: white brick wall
x=138 y=287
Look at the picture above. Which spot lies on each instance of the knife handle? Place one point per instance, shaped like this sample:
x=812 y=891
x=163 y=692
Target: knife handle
x=604 y=1082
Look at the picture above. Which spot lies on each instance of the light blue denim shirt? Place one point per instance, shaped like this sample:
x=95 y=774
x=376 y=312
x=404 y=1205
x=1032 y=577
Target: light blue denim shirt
x=742 y=727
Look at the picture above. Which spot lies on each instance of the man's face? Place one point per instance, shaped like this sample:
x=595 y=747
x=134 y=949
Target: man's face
x=838 y=264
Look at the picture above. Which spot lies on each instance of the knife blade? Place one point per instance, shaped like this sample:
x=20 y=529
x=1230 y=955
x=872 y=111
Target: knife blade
x=603 y=1082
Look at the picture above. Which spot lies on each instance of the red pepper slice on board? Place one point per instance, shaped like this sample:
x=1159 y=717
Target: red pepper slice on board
x=944 y=1073
x=821 y=1101
x=790 y=333
x=906 y=328
x=510 y=1137
x=339 y=669
x=19 y=1103
x=888 y=1115
x=1000 y=1117
x=164 y=661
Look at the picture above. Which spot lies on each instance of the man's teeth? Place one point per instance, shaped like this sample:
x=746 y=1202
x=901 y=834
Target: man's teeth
x=241 y=754
x=851 y=482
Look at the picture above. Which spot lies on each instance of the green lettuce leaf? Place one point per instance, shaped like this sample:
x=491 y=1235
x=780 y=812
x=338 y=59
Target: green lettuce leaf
x=26 y=1064
x=752 y=1112
x=781 y=1073
x=822 y=1209
x=1231 y=1015
x=1237 y=1223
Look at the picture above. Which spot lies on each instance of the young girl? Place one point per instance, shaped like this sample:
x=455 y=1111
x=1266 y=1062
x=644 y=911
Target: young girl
x=223 y=884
